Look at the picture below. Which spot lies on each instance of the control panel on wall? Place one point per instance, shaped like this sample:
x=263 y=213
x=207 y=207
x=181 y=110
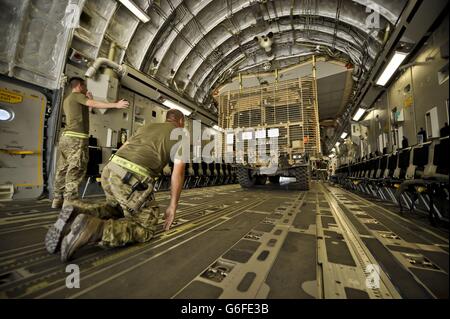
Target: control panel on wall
x=397 y=116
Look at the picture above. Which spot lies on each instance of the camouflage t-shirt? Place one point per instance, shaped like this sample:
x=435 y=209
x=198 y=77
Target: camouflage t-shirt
x=77 y=113
x=150 y=147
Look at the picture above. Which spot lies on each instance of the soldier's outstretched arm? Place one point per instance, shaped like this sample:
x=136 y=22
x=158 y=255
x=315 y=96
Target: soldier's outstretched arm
x=176 y=184
x=122 y=104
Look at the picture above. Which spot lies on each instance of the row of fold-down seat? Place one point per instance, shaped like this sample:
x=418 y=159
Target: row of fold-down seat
x=416 y=178
x=200 y=175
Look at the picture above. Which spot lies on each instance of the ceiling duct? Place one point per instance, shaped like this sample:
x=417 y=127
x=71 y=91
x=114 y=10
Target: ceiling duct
x=144 y=85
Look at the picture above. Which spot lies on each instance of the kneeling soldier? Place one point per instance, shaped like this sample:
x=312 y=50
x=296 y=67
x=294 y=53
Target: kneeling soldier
x=131 y=213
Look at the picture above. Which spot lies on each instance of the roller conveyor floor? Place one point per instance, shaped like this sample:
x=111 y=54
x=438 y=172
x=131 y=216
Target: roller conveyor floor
x=227 y=242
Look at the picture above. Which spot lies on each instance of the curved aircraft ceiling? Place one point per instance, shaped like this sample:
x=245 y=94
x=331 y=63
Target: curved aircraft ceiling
x=193 y=46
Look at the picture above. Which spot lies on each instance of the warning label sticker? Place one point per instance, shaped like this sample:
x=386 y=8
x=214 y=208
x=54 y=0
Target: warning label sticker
x=10 y=97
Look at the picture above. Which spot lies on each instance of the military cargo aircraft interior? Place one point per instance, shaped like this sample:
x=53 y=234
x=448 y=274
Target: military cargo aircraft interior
x=224 y=149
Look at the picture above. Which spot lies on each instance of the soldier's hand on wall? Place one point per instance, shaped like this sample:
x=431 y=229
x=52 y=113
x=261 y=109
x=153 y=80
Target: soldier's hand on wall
x=122 y=104
x=169 y=217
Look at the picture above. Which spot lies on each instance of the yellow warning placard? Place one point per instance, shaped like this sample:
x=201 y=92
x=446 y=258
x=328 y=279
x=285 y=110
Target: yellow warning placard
x=10 y=97
x=408 y=102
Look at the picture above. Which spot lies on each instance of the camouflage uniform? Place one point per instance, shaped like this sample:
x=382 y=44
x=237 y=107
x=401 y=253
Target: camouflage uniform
x=131 y=214
x=73 y=147
x=71 y=166
x=124 y=223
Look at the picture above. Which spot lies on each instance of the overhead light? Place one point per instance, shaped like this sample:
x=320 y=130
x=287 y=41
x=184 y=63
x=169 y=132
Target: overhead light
x=333 y=150
x=359 y=114
x=344 y=135
x=173 y=105
x=332 y=155
x=337 y=144
x=390 y=69
x=134 y=8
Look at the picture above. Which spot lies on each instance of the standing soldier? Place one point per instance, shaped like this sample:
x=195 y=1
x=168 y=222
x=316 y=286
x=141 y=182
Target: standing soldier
x=131 y=213
x=73 y=144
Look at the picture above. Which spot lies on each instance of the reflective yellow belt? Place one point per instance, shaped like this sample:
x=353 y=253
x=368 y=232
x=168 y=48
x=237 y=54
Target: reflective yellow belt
x=75 y=134
x=134 y=168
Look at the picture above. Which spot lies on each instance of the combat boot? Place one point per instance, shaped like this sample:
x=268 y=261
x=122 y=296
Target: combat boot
x=84 y=230
x=57 y=203
x=60 y=229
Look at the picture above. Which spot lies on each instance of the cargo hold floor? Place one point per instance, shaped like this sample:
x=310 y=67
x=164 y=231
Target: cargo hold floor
x=227 y=242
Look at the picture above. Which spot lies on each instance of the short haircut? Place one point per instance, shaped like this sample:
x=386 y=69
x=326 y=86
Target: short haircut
x=174 y=115
x=75 y=81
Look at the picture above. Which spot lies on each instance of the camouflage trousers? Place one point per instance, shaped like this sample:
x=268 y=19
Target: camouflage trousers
x=71 y=166
x=123 y=225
